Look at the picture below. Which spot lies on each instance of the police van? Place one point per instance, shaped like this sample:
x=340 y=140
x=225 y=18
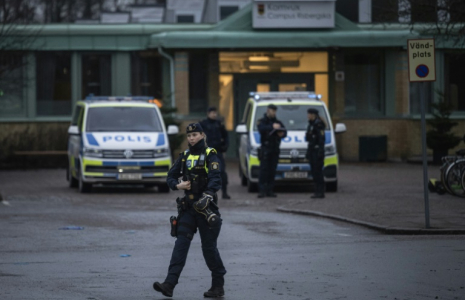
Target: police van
x=293 y=167
x=118 y=140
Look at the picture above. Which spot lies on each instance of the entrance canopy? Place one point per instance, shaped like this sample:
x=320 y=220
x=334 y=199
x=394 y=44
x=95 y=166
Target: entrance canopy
x=237 y=32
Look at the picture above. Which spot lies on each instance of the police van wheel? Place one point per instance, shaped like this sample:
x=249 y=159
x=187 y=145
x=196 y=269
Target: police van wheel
x=252 y=187
x=331 y=186
x=72 y=182
x=84 y=187
x=163 y=188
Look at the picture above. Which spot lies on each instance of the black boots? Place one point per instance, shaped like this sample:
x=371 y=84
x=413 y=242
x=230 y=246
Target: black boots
x=214 y=292
x=165 y=288
x=266 y=191
x=225 y=194
x=319 y=191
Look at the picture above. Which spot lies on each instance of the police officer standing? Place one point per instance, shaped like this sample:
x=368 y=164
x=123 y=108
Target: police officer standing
x=217 y=138
x=199 y=168
x=271 y=132
x=315 y=137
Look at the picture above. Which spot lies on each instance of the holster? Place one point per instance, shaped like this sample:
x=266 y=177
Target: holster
x=174 y=226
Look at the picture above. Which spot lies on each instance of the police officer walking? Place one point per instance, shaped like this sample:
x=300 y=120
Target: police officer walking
x=271 y=132
x=217 y=138
x=315 y=137
x=199 y=168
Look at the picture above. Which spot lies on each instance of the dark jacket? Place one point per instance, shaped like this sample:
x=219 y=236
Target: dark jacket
x=315 y=136
x=217 y=136
x=269 y=139
x=212 y=163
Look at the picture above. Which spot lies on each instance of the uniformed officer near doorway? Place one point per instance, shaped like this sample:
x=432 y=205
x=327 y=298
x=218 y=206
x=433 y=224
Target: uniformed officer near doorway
x=271 y=132
x=217 y=138
x=315 y=136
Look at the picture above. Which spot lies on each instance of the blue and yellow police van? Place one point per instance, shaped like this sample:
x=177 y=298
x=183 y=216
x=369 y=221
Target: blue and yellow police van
x=293 y=167
x=120 y=140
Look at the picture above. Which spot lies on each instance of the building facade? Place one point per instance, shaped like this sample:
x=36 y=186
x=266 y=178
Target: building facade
x=356 y=62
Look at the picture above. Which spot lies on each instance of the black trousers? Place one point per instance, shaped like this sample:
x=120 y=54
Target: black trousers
x=224 y=175
x=268 y=165
x=316 y=167
x=187 y=226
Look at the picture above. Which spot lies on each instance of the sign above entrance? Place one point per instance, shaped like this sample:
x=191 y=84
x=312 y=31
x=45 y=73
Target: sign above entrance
x=421 y=60
x=293 y=14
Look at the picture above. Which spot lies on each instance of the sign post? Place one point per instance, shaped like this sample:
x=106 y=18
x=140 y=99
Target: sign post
x=422 y=68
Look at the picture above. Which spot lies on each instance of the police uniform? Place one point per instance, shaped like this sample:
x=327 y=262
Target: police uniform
x=269 y=153
x=201 y=166
x=315 y=136
x=217 y=138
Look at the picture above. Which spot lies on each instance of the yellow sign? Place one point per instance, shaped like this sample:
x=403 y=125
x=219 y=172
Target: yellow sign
x=421 y=60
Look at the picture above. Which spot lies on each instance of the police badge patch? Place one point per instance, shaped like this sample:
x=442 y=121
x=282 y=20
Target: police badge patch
x=215 y=166
x=188 y=163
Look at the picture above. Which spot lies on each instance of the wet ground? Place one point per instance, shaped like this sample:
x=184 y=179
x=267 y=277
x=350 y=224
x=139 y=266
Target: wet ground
x=113 y=243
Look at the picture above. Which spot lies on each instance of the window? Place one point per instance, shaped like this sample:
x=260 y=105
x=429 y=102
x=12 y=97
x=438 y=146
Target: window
x=226 y=11
x=185 y=19
x=416 y=91
x=76 y=114
x=384 y=11
x=198 y=78
x=11 y=84
x=53 y=87
x=146 y=75
x=363 y=94
x=96 y=75
x=454 y=80
x=293 y=116
x=348 y=8
x=424 y=11
x=123 y=119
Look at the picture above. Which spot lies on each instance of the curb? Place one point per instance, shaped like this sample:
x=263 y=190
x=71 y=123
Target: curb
x=383 y=229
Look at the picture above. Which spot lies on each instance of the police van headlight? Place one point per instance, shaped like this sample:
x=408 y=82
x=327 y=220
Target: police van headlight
x=92 y=152
x=157 y=153
x=330 y=150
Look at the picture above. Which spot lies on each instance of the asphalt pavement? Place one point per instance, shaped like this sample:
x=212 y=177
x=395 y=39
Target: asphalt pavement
x=384 y=196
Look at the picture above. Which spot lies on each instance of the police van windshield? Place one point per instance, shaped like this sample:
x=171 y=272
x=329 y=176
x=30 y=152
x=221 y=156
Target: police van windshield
x=123 y=119
x=294 y=117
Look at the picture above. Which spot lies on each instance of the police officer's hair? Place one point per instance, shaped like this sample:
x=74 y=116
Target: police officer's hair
x=205 y=139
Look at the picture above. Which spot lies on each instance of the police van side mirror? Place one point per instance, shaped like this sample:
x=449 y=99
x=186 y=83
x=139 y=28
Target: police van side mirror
x=340 y=128
x=241 y=128
x=73 y=130
x=172 y=129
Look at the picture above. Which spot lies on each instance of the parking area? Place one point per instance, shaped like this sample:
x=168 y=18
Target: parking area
x=388 y=194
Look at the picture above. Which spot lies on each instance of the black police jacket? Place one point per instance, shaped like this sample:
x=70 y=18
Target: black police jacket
x=217 y=136
x=212 y=166
x=315 y=136
x=269 y=139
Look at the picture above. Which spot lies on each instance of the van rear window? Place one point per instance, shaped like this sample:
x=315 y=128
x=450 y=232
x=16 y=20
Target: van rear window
x=122 y=119
x=294 y=117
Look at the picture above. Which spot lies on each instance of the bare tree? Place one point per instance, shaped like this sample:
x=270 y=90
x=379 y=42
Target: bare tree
x=442 y=19
x=15 y=38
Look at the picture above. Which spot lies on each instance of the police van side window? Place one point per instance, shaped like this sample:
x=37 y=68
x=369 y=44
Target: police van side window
x=76 y=114
x=245 y=117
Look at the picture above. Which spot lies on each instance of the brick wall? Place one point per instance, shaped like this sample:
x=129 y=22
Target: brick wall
x=403 y=137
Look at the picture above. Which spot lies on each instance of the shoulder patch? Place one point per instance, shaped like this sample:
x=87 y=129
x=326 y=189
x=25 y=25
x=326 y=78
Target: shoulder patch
x=211 y=150
x=215 y=166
